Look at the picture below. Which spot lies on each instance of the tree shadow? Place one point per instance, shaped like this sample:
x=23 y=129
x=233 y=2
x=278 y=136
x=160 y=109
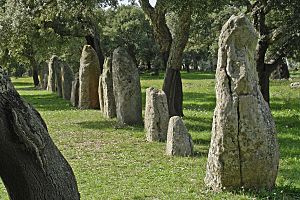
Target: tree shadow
x=22 y=84
x=108 y=124
x=48 y=102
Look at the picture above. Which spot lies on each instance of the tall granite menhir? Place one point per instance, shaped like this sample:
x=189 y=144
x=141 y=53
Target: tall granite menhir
x=106 y=90
x=127 y=88
x=244 y=149
x=67 y=76
x=75 y=90
x=89 y=73
x=54 y=65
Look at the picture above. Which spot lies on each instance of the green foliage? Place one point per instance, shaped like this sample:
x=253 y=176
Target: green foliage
x=127 y=26
x=115 y=162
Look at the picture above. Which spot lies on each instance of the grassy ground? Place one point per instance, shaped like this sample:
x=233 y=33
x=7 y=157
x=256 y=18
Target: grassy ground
x=114 y=162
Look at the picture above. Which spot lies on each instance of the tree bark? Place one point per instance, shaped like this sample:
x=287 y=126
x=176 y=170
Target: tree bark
x=162 y=32
x=173 y=89
x=172 y=83
x=149 y=65
x=31 y=166
x=171 y=50
x=35 y=71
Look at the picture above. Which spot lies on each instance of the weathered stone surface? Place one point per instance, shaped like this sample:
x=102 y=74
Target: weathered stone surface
x=100 y=93
x=244 y=149
x=89 y=73
x=295 y=85
x=75 y=90
x=43 y=75
x=67 y=76
x=127 y=88
x=179 y=141
x=58 y=79
x=106 y=91
x=156 y=115
x=53 y=65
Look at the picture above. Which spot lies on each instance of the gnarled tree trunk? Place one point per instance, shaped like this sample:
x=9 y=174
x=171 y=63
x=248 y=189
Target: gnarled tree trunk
x=31 y=166
x=171 y=50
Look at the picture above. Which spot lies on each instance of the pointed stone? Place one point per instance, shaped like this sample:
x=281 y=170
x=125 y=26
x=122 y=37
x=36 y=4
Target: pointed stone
x=89 y=73
x=244 y=149
x=127 y=88
x=53 y=65
x=67 y=76
x=75 y=90
x=106 y=90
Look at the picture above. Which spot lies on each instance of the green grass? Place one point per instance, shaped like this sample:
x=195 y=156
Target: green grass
x=113 y=162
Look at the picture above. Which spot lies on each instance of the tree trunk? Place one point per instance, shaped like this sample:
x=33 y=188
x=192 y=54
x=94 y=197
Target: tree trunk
x=187 y=67
x=149 y=65
x=172 y=83
x=173 y=89
x=35 y=71
x=161 y=30
x=31 y=166
x=35 y=76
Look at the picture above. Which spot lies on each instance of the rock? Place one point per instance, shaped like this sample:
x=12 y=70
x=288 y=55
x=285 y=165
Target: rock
x=75 y=90
x=43 y=75
x=156 y=115
x=100 y=94
x=67 y=76
x=106 y=91
x=58 y=79
x=179 y=141
x=244 y=149
x=52 y=65
x=127 y=88
x=89 y=73
x=295 y=85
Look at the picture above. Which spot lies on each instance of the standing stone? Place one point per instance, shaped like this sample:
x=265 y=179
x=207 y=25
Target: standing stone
x=179 y=141
x=244 y=149
x=127 y=88
x=156 y=115
x=43 y=75
x=75 y=91
x=67 y=76
x=58 y=79
x=106 y=91
x=53 y=65
x=89 y=73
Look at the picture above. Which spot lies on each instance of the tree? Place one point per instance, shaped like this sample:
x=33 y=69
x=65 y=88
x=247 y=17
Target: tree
x=127 y=26
x=31 y=166
x=171 y=47
x=278 y=25
x=24 y=40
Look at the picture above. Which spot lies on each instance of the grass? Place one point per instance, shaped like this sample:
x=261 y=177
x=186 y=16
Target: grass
x=113 y=162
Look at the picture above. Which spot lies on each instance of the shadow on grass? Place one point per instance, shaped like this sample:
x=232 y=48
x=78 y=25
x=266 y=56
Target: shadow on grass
x=48 y=102
x=285 y=102
x=22 y=84
x=199 y=97
x=184 y=75
x=100 y=125
x=198 y=75
x=286 y=192
x=97 y=125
